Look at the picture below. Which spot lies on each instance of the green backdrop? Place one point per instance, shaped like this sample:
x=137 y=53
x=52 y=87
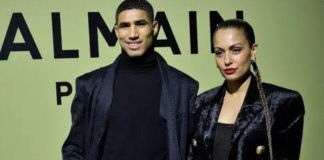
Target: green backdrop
x=33 y=126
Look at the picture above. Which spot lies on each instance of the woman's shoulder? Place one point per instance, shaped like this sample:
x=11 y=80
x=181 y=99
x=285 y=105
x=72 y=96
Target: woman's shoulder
x=208 y=95
x=273 y=89
x=291 y=101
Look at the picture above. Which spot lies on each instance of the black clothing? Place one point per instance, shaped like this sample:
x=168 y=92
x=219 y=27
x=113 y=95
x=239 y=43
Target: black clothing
x=135 y=130
x=222 y=141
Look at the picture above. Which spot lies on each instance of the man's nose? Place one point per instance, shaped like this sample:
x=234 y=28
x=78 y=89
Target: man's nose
x=133 y=33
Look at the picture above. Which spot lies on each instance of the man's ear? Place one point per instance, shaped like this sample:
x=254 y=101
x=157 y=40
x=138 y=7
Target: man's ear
x=116 y=30
x=155 y=27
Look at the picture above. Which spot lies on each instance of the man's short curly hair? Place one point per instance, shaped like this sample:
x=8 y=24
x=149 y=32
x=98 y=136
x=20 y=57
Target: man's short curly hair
x=136 y=4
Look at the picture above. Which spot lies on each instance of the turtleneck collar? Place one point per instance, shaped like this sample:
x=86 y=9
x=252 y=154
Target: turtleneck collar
x=145 y=63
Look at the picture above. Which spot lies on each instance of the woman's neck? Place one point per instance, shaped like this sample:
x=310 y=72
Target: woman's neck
x=236 y=88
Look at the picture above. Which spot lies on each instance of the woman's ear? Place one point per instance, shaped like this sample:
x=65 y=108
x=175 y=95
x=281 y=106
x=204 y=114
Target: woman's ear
x=254 y=51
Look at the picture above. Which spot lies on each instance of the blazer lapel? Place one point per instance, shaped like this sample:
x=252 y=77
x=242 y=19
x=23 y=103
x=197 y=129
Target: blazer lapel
x=214 y=109
x=168 y=110
x=248 y=111
x=103 y=102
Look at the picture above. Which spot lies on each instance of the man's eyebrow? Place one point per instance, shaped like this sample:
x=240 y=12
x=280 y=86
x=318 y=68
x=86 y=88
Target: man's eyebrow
x=141 y=21
x=136 y=22
x=123 y=24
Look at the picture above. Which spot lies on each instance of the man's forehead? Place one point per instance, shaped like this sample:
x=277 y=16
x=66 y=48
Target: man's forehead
x=132 y=15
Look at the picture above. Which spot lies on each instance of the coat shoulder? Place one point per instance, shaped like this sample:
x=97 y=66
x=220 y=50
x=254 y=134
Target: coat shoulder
x=177 y=74
x=291 y=99
x=203 y=103
x=207 y=96
x=92 y=77
x=272 y=89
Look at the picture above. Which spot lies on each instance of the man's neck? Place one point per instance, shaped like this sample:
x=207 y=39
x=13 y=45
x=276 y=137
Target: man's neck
x=145 y=63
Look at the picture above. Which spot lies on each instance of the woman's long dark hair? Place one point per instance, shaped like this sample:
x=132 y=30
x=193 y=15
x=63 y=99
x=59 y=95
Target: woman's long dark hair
x=249 y=35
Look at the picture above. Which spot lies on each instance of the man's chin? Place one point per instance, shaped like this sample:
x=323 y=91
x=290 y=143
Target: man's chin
x=134 y=54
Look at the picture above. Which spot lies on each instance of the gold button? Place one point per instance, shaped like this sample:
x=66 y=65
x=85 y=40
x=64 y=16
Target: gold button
x=260 y=150
x=194 y=143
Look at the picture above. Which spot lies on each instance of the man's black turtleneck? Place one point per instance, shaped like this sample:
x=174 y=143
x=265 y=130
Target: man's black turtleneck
x=135 y=130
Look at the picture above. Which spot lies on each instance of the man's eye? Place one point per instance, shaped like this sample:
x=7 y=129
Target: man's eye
x=141 y=24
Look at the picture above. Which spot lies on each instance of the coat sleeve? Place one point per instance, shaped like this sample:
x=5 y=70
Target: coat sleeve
x=194 y=120
x=185 y=122
x=291 y=132
x=192 y=105
x=72 y=148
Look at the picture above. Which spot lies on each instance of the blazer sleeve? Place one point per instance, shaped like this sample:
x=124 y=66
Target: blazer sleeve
x=291 y=132
x=194 y=120
x=72 y=148
x=193 y=99
x=187 y=122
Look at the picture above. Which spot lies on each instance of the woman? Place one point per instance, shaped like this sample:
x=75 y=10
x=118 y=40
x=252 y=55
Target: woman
x=245 y=119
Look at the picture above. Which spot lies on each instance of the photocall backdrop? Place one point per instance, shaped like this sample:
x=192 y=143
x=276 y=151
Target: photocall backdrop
x=45 y=45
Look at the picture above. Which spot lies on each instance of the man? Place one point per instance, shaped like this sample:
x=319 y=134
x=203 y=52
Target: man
x=136 y=108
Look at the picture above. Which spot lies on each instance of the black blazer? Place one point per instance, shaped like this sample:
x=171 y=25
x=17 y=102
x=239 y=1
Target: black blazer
x=249 y=132
x=93 y=97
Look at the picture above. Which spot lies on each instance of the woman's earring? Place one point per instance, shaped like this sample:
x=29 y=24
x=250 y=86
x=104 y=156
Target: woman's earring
x=253 y=60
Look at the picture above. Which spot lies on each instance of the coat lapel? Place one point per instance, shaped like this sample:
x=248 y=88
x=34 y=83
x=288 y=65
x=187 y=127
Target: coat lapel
x=103 y=102
x=212 y=118
x=168 y=110
x=167 y=106
x=248 y=111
